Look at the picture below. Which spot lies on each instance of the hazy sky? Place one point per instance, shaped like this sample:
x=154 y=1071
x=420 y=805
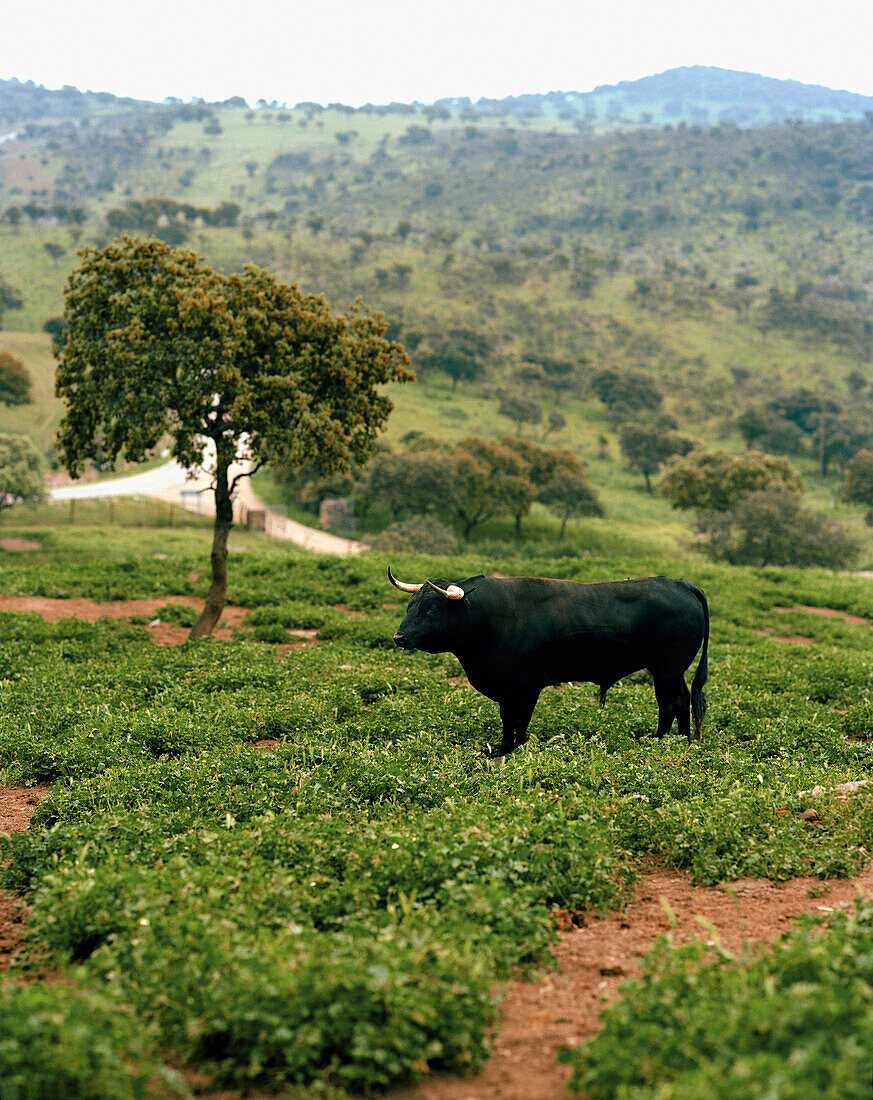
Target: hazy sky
x=383 y=50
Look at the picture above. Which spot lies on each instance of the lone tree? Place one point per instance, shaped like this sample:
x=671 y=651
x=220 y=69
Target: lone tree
x=234 y=368
x=520 y=410
x=22 y=473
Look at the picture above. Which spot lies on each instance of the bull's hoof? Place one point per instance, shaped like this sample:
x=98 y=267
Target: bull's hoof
x=499 y=752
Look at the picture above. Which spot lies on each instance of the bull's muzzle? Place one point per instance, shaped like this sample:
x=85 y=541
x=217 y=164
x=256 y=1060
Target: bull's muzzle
x=401 y=641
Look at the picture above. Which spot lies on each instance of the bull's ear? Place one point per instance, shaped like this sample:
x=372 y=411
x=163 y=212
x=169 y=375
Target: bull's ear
x=453 y=592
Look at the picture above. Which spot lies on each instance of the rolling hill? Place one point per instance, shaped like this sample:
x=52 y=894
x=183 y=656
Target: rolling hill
x=729 y=262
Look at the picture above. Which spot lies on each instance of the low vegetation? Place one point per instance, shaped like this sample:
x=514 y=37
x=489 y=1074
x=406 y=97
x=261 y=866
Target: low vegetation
x=790 y=1022
x=332 y=912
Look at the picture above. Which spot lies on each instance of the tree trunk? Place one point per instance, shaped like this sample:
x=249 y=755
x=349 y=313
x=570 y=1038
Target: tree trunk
x=648 y=481
x=563 y=525
x=217 y=595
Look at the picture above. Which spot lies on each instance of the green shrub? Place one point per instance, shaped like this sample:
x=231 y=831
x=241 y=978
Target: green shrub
x=772 y=527
x=61 y=1041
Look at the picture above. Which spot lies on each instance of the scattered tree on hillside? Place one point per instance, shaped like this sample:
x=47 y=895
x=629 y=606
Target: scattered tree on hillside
x=555 y=422
x=570 y=495
x=55 y=326
x=716 y=480
x=765 y=429
x=460 y=353
x=237 y=368
x=10 y=298
x=648 y=446
x=14 y=380
x=520 y=410
x=857 y=488
x=627 y=394
x=22 y=473
x=511 y=477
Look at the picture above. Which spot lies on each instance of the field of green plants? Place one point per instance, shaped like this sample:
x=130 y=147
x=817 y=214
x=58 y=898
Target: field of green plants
x=330 y=914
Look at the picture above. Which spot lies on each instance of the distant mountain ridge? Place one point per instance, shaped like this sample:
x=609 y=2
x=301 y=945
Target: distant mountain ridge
x=701 y=94
x=695 y=94
x=710 y=82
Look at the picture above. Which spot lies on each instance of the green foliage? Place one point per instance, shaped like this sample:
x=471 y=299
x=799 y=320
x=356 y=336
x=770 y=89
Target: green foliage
x=57 y=1040
x=10 y=298
x=418 y=534
x=153 y=335
x=521 y=410
x=461 y=353
x=717 y=480
x=15 y=388
x=648 y=447
x=569 y=495
x=790 y=1022
x=626 y=393
x=335 y=913
x=22 y=472
x=772 y=527
x=857 y=485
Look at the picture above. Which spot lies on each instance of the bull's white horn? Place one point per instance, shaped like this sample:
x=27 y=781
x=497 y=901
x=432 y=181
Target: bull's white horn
x=404 y=587
x=453 y=592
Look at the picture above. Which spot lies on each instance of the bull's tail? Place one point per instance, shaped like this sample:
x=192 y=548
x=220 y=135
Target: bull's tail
x=698 y=699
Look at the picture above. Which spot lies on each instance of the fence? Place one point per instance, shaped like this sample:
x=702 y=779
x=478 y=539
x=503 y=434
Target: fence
x=103 y=512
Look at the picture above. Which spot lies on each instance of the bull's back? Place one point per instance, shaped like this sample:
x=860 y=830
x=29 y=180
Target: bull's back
x=601 y=631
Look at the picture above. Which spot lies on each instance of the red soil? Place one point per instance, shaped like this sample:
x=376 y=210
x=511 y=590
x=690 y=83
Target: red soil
x=16 y=806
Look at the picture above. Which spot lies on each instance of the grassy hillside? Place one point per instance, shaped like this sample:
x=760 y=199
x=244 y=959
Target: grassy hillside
x=730 y=265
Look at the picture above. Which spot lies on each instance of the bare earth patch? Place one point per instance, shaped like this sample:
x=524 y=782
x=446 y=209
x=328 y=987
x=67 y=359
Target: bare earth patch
x=16 y=806
x=19 y=545
x=90 y=610
x=538 y=1018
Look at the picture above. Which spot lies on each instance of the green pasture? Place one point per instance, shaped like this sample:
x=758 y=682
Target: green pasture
x=331 y=915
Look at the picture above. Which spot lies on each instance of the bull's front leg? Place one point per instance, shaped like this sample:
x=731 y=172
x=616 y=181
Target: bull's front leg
x=515 y=714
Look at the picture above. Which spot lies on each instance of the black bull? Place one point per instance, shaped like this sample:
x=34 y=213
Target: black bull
x=516 y=635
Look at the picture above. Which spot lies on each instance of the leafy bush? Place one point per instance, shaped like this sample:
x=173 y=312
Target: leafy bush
x=772 y=527
x=58 y=1041
x=373 y=876
x=418 y=534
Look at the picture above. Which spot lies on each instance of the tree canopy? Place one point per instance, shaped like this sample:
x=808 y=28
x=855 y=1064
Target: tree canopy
x=857 y=487
x=648 y=446
x=233 y=368
x=22 y=473
x=716 y=480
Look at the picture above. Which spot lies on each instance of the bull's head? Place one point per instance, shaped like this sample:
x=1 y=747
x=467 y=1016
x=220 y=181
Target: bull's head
x=429 y=621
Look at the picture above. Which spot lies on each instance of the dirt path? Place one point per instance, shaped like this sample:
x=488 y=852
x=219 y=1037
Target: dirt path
x=561 y=1009
x=16 y=806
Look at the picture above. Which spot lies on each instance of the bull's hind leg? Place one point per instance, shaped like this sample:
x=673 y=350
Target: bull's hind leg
x=674 y=701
